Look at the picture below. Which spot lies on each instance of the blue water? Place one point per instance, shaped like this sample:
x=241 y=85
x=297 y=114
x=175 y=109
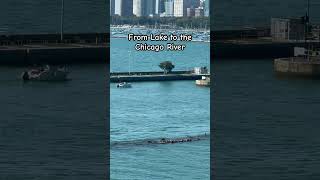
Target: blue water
x=179 y=161
x=124 y=57
x=233 y=14
x=32 y=16
x=53 y=130
x=265 y=127
x=152 y=110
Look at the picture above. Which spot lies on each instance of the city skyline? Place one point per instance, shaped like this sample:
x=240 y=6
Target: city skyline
x=159 y=8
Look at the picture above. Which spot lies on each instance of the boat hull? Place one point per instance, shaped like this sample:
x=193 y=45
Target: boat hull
x=45 y=76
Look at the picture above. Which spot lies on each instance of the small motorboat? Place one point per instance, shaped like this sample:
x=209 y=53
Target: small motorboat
x=124 y=85
x=46 y=73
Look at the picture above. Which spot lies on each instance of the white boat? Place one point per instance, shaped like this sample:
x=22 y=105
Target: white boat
x=46 y=73
x=205 y=81
x=124 y=85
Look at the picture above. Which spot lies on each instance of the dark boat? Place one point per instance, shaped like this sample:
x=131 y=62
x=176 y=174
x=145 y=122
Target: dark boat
x=46 y=73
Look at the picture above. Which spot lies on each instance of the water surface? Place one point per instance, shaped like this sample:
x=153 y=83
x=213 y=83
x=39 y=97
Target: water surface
x=53 y=130
x=265 y=127
x=155 y=110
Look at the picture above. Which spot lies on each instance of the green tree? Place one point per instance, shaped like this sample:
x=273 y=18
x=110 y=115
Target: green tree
x=166 y=66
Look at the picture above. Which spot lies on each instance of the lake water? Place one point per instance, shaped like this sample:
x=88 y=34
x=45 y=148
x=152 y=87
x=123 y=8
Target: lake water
x=233 y=14
x=152 y=110
x=31 y=16
x=265 y=127
x=53 y=130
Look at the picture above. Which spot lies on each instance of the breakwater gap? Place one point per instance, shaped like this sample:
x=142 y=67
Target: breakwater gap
x=160 y=141
x=48 y=48
x=154 y=76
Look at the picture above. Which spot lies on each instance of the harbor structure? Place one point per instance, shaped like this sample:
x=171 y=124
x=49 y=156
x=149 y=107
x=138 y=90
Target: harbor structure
x=47 y=49
x=280 y=40
x=154 y=76
x=298 y=66
x=306 y=59
x=288 y=28
x=68 y=40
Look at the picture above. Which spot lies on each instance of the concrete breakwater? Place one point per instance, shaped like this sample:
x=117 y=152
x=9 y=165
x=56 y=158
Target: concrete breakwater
x=23 y=39
x=297 y=66
x=256 y=48
x=240 y=33
x=252 y=44
x=49 y=49
x=153 y=76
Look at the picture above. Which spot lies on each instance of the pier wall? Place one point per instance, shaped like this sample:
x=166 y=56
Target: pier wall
x=254 y=50
x=56 y=55
x=297 y=66
x=148 y=73
x=21 y=39
x=153 y=76
x=48 y=48
x=240 y=34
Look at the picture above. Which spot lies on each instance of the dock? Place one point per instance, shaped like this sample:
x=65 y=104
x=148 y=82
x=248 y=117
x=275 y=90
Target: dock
x=153 y=76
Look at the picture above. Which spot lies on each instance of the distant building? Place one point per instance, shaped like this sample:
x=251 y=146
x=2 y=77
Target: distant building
x=138 y=7
x=123 y=7
x=112 y=7
x=194 y=3
x=315 y=32
x=143 y=7
x=150 y=6
x=180 y=6
x=199 y=12
x=288 y=29
x=169 y=8
x=159 y=7
x=206 y=6
x=190 y=12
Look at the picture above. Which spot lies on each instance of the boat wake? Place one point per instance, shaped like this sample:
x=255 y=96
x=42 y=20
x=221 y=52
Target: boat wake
x=155 y=141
